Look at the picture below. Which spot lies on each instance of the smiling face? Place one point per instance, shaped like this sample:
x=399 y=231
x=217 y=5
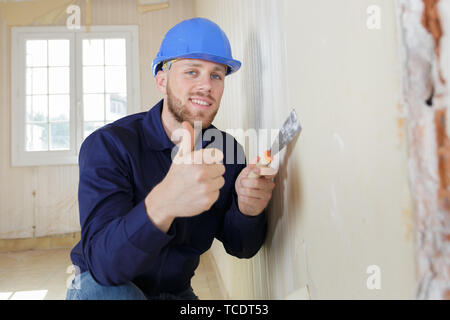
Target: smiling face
x=193 y=89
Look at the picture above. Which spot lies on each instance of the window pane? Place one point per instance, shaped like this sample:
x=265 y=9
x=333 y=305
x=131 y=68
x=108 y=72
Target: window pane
x=116 y=79
x=59 y=80
x=59 y=107
x=59 y=136
x=37 y=137
x=36 y=53
x=58 y=53
x=36 y=81
x=90 y=127
x=115 y=52
x=93 y=80
x=37 y=108
x=94 y=107
x=93 y=52
x=116 y=106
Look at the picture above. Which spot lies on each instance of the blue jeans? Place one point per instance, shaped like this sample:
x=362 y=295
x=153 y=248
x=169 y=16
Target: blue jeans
x=84 y=287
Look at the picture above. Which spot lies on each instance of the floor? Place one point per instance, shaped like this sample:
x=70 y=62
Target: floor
x=42 y=275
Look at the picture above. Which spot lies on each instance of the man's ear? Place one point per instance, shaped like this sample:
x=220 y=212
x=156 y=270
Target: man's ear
x=161 y=81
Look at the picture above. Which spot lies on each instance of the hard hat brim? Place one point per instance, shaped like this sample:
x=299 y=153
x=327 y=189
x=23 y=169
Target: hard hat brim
x=233 y=65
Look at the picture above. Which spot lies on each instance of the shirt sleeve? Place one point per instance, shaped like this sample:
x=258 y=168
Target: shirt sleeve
x=242 y=236
x=119 y=241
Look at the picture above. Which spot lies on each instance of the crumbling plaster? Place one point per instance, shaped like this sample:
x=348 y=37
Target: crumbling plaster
x=425 y=101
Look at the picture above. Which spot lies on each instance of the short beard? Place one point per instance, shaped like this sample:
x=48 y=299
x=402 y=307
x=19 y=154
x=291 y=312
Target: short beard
x=181 y=113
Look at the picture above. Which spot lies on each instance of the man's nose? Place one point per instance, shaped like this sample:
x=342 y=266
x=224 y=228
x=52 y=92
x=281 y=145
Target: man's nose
x=204 y=83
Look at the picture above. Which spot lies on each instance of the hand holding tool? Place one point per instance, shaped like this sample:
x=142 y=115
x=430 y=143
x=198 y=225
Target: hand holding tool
x=287 y=133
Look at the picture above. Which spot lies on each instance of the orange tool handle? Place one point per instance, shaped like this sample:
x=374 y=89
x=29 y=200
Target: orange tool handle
x=262 y=163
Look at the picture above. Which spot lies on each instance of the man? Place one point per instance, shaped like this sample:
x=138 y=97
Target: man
x=147 y=212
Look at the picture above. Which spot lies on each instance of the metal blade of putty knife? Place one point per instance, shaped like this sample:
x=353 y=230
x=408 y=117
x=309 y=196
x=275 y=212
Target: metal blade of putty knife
x=287 y=133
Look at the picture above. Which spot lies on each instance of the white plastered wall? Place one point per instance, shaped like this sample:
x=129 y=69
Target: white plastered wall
x=342 y=201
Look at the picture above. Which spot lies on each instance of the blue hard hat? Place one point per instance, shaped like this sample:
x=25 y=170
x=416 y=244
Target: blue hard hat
x=196 y=38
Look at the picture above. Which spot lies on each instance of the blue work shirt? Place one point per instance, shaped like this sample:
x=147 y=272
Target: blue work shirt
x=120 y=164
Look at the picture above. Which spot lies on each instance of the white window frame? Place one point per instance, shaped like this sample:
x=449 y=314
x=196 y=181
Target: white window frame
x=19 y=36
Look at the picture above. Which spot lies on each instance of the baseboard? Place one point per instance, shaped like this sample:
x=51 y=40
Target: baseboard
x=67 y=240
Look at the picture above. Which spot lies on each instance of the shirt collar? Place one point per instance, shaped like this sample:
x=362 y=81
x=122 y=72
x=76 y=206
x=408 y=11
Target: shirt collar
x=155 y=134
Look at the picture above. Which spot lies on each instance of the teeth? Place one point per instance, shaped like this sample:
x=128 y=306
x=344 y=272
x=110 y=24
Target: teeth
x=203 y=103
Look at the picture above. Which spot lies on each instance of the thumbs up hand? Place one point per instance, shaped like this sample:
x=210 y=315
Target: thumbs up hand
x=190 y=187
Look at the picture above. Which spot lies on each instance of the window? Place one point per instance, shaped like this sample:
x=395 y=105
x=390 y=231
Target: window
x=65 y=85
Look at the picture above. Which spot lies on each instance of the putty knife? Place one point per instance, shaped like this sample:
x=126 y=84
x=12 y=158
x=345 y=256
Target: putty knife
x=287 y=133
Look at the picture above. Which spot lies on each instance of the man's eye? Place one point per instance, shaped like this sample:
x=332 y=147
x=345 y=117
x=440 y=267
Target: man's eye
x=191 y=73
x=216 y=76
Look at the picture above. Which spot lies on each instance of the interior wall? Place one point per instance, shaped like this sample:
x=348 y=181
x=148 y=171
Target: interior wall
x=444 y=9
x=41 y=201
x=424 y=58
x=342 y=206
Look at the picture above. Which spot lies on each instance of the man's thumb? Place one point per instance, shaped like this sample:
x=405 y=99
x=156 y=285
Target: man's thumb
x=186 y=145
x=252 y=169
x=187 y=141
